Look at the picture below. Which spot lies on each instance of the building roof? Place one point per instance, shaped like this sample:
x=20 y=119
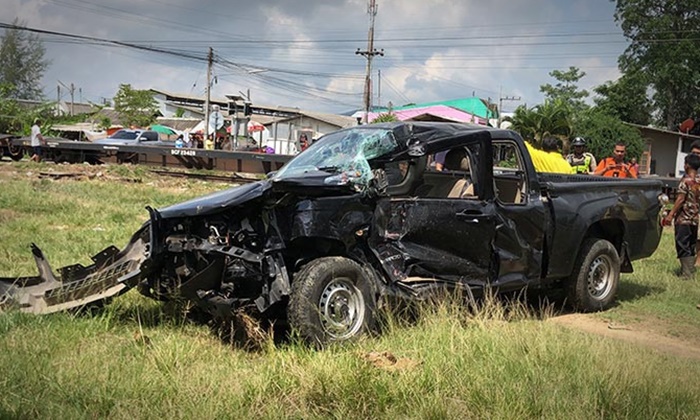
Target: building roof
x=78 y=107
x=662 y=130
x=434 y=112
x=473 y=105
x=179 y=124
x=341 y=121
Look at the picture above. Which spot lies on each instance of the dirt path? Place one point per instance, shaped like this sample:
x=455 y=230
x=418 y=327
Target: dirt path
x=632 y=334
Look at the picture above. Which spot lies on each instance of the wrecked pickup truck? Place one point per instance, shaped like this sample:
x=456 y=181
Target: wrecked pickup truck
x=363 y=216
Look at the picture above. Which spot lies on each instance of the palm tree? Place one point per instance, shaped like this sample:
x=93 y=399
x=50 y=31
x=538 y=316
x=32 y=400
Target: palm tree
x=385 y=117
x=552 y=118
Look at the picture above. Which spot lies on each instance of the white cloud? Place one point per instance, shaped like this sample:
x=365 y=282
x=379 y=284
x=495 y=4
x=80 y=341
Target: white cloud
x=434 y=49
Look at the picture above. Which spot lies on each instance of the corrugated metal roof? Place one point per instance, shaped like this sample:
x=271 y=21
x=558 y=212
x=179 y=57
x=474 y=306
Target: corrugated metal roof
x=180 y=124
x=472 y=105
x=340 y=121
x=662 y=130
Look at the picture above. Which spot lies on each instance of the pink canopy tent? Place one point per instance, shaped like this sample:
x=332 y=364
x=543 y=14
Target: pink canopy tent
x=441 y=111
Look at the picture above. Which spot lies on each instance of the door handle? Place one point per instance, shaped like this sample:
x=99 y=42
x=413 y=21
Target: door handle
x=471 y=216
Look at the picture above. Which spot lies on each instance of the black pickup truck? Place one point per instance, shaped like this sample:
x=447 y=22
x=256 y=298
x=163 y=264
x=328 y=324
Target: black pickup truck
x=363 y=215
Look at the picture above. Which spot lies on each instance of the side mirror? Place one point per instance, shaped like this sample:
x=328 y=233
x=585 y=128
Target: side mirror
x=416 y=150
x=271 y=174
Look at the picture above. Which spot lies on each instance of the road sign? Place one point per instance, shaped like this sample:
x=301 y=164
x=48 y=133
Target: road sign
x=216 y=120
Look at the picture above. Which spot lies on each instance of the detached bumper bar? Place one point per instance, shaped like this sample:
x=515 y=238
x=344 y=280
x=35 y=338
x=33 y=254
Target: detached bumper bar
x=112 y=273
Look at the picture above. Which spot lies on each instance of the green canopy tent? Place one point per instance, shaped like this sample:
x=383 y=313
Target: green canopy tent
x=163 y=129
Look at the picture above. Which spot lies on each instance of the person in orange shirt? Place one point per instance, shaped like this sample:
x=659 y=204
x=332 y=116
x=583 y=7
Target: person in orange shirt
x=615 y=165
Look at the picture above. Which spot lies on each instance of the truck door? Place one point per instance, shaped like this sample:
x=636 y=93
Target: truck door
x=445 y=229
x=522 y=218
x=450 y=239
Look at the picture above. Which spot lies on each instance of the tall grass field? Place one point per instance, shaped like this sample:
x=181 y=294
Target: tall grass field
x=139 y=358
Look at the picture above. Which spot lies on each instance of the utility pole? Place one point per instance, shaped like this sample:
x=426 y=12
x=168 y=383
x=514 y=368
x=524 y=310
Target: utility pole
x=72 y=99
x=210 y=60
x=379 y=87
x=502 y=98
x=369 y=54
x=71 y=89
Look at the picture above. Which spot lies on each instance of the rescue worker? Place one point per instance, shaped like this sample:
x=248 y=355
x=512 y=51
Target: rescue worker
x=549 y=159
x=615 y=165
x=582 y=161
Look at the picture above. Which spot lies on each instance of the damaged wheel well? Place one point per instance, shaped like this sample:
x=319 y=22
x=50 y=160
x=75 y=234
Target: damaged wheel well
x=612 y=230
x=303 y=250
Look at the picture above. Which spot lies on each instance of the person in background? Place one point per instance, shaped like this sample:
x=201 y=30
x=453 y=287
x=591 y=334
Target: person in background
x=209 y=142
x=634 y=165
x=180 y=143
x=439 y=160
x=37 y=140
x=615 y=166
x=684 y=216
x=549 y=159
x=582 y=161
x=303 y=142
x=695 y=150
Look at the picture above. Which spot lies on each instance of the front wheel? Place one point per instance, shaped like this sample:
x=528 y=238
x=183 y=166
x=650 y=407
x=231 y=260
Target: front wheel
x=332 y=300
x=594 y=282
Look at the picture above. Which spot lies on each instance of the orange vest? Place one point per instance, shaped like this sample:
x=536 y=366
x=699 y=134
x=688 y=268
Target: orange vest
x=616 y=172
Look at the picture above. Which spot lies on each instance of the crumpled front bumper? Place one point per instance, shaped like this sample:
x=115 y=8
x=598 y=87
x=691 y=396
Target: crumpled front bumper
x=112 y=273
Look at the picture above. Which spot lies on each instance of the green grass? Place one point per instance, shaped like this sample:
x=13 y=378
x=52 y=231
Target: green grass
x=654 y=294
x=139 y=358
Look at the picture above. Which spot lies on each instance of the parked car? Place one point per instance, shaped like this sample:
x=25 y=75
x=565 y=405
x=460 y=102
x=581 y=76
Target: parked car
x=135 y=137
x=362 y=216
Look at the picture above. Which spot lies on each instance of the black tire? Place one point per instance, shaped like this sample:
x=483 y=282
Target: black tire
x=16 y=152
x=333 y=300
x=596 y=276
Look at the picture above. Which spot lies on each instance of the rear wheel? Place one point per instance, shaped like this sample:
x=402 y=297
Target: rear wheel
x=332 y=300
x=16 y=152
x=593 y=285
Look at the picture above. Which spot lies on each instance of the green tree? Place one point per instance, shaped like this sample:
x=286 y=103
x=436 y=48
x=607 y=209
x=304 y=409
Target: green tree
x=625 y=98
x=665 y=45
x=23 y=62
x=385 y=117
x=566 y=89
x=602 y=131
x=135 y=107
x=105 y=123
x=553 y=117
x=17 y=119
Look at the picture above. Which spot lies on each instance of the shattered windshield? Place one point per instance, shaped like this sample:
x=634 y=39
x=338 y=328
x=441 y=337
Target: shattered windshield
x=344 y=155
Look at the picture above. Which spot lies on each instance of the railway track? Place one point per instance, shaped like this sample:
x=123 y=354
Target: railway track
x=235 y=178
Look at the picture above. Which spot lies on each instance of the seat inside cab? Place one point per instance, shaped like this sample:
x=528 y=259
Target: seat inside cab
x=453 y=179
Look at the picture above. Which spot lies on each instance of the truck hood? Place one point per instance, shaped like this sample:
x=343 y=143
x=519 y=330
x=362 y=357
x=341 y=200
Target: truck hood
x=217 y=201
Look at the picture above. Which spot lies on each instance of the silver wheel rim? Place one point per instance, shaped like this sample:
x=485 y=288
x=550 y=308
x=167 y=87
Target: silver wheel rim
x=600 y=277
x=342 y=308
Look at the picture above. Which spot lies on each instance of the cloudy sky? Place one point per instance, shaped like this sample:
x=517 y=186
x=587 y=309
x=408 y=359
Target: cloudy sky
x=302 y=53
